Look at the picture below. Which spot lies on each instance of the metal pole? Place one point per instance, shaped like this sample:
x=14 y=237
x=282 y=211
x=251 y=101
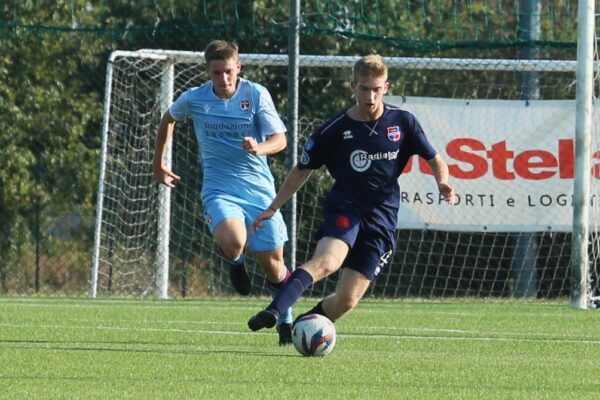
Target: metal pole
x=530 y=30
x=581 y=190
x=293 y=74
x=164 y=196
x=100 y=195
x=526 y=247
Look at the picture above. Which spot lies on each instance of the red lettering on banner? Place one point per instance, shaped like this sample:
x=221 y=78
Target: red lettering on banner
x=525 y=163
x=500 y=155
x=456 y=150
x=596 y=167
x=566 y=157
x=476 y=160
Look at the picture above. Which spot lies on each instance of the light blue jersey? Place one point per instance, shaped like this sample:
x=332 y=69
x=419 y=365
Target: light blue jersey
x=236 y=184
x=220 y=124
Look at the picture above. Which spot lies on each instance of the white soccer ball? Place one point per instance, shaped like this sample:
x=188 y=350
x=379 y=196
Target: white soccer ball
x=314 y=335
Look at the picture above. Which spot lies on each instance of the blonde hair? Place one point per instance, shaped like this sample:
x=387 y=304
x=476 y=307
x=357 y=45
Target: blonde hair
x=220 y=50
x=371 y=66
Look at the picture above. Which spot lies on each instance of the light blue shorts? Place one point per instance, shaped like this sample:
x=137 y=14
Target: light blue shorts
x=271 y=236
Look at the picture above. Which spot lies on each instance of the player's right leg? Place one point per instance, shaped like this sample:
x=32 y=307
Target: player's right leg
x=328 y=258
x=226 y=222
x=230 y=235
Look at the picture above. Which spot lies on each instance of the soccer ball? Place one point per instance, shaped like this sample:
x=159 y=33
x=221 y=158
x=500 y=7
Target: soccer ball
x=314 y=335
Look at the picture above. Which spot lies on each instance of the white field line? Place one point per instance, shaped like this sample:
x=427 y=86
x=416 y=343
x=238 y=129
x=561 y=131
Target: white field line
x=376 y=330
x=406 y=307
x=481 y=337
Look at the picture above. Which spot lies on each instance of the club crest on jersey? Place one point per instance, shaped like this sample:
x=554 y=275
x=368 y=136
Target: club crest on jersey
x=394 y=133
x=245 y=105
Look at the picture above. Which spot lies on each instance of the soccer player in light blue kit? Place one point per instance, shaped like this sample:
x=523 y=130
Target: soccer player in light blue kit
x=237 y=127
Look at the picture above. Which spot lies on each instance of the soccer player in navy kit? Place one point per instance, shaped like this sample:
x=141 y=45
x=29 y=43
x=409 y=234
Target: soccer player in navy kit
x=365 y=149
x=236 y=126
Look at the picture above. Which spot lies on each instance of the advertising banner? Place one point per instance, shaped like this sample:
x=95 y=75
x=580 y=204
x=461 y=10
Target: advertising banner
x=510 y=162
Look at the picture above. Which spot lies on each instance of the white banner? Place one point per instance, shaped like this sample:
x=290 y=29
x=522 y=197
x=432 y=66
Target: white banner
x=511 y=164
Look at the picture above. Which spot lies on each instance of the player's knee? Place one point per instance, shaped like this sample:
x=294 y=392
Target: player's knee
x=327 y=265
x=232 y=248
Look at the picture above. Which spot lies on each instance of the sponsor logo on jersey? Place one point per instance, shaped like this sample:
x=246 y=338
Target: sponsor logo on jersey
x=245 y=105
x=360 y=160
x=394 y=133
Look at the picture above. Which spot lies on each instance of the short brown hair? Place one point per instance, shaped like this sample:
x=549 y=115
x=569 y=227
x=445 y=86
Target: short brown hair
x=371 y=66
x=220 y=50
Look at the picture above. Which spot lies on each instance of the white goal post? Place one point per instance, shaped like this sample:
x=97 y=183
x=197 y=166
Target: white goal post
x=151 y=241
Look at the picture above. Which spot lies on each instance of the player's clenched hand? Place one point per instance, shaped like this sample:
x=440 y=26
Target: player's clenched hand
x=448 y=192
x=257 y=223
x=166 y=177
x=250 y=145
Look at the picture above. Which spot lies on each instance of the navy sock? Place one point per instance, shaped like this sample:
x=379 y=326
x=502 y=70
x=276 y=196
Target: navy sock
x=298 y=282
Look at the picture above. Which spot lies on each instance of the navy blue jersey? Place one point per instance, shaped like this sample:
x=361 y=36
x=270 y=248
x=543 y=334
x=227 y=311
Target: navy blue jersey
x=365 y=158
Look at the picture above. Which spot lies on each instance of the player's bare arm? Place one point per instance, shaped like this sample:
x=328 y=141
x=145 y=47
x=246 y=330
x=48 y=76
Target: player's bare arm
x=440 y=172
x=272 y=145
x=292 y=183
x=162 y=174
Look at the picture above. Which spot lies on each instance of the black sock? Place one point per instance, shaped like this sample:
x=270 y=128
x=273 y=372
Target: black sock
x=318 y=309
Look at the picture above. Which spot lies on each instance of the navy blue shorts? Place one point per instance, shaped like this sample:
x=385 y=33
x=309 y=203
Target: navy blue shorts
x=371 y=244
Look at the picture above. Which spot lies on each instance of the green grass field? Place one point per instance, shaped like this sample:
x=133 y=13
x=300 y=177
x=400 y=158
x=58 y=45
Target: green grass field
x=55 y=348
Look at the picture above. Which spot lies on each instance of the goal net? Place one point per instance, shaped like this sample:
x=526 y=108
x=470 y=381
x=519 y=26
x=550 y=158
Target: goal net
x=505 y=127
